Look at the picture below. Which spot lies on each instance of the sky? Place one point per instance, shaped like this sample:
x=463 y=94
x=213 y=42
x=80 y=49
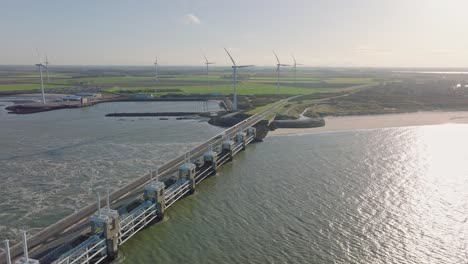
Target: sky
x=350 y=33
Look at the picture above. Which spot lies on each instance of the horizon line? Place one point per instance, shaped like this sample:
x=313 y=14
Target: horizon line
x=229 y=66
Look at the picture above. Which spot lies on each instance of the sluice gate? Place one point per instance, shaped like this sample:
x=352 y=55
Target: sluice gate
x=112 y=228
x=93 y=236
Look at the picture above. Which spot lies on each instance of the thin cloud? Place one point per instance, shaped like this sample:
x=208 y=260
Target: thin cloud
x=192 y=19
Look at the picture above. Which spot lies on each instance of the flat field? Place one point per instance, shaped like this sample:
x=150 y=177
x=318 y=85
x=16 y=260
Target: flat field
x=174 y=80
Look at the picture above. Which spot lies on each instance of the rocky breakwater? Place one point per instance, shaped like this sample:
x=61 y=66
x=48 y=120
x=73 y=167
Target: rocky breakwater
x=231 y=119
x=29 y=108
x=305 y=122
x=264 y=126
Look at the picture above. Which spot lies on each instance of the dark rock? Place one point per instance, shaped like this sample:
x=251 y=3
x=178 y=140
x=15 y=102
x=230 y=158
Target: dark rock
x=298 y=123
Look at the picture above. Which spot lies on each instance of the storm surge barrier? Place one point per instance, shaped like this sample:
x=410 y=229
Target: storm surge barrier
x=94 y=233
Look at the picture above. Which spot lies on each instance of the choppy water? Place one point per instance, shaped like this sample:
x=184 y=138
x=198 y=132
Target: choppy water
x=52 y=163
x=395 y=195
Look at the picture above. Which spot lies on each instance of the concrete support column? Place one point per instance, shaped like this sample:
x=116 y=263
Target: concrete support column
x=240 y=138
x=105 y=223
x=210 y=158
x=187 y=171
x=155 y=192
x=228 y=145
x=252 y=131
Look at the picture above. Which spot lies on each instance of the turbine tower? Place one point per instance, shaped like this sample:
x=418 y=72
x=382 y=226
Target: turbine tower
x=40 y=65
x=47 y=66
x=234 y=76
x=278 y=66
x=207 y=72
x=156 y=73
x=295 y=67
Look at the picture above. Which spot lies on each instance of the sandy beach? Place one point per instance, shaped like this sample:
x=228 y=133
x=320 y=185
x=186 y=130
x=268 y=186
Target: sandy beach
x=345 y=123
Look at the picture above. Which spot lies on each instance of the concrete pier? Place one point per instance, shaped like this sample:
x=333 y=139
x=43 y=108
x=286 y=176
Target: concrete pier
x=240 y=139
x=105 y=223
x=155 y=192
x=210 y=159
x=228 y=146
x=187 y=171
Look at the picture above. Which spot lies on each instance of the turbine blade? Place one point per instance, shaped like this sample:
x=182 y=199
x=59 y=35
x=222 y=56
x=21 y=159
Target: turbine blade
x=294 y=59
x=38 y=56
x=233 y=62
x=276 y=57
x=206 y=59
x=244 y=66
x=284 y=65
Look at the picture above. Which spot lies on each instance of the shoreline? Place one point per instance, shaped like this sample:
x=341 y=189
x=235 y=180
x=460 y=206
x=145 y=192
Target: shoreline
x=350 y=123
x=30 y=103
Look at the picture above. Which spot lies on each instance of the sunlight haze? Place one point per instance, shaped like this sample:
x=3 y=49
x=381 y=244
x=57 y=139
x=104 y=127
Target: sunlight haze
x=397 y=33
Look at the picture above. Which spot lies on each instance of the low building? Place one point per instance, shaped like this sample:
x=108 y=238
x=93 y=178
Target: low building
x=71 y=98
x=144 y=96
x=89 y=95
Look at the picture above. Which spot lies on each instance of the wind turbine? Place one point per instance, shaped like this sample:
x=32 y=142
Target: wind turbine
x=234 y=76
x=295 y=66
x=278 y=66
x=47 y=66
x=207 y=72
x=40 y=65
x=156 y=74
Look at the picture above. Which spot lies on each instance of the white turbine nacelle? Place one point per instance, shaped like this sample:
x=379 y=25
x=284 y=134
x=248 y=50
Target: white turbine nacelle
x=234 y=76
x=207 y=62
x=278 y=66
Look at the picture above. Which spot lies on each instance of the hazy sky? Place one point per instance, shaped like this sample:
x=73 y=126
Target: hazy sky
x=318 y=32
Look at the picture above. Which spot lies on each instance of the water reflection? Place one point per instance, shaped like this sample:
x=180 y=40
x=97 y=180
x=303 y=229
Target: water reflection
x=379 y=196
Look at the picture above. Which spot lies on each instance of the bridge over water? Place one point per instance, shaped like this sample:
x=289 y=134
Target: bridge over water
x=94 y=234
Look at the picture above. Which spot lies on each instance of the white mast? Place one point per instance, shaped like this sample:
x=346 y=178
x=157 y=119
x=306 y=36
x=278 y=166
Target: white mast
x=156 y=73
x=295 y=68
x=7 y=252
x=234 y=77
x=40 y=65
x=98 y=199
x=25 y=248
x=207 y=70
x=47 y=67
x=278 y=73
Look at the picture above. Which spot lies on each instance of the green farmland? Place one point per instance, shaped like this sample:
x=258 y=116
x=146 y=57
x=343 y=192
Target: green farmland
x=128 y=81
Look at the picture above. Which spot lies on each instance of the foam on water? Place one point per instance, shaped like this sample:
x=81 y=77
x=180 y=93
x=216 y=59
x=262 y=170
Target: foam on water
x=53 y=163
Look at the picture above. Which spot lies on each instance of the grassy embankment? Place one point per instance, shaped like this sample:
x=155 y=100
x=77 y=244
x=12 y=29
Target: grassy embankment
x=307 y=103
x=407 y=94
